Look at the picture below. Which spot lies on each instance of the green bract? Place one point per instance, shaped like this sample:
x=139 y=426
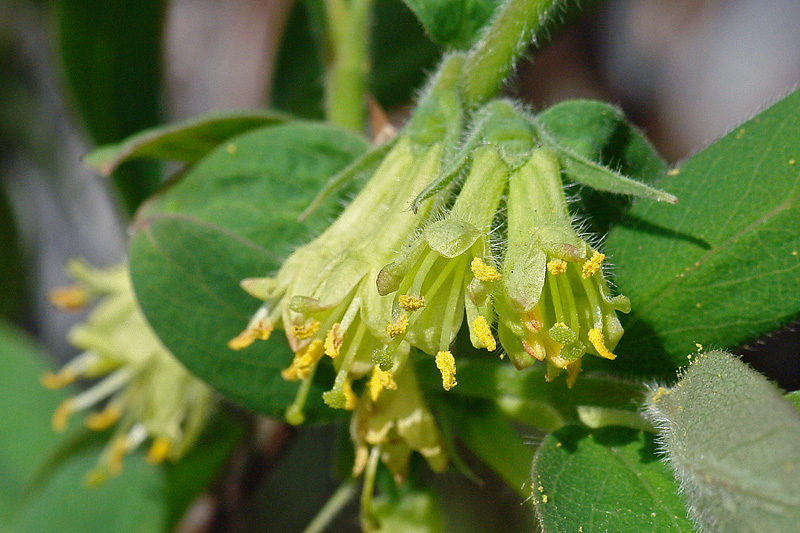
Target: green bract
x=149 y=393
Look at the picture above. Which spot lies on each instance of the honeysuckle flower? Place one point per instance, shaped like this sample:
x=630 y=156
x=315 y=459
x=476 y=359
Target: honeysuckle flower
x=396 y=422
x=324 y=296
x=145 y=393
x=555 y=304
x=449 y=270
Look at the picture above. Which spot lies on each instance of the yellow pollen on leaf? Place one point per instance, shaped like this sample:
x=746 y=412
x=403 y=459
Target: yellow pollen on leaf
x=483 y=271
x=333 y=341
x=411 y=303
x=56 y=381
x=104 y=419
x=380 y=380
x=61 y=415
x=484 y=333
x=69 y=298
x=592 y=265
x=596 y=338
x=557 y=266
x=350 y=398
x=158 y=451
x=305 y=332
x=446 y=364
x=399 y=327
x=118 y=450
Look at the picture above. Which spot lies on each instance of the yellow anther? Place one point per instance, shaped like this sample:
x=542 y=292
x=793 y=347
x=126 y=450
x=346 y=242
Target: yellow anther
x=573 y=369
x=158 y=451
x=446 y=364
x=350 y=398
x=260 y=330
x=399 y=327
x=596 y=338
x=61 y=415
x=118 y=450
x=557 y=266
x=305 y=358
x=242 y=340
x=305 y=332
x=104 y=419
x=380 y=380
x=484 y=333
x=333 y=341
x=69 y=298
x=56 y=381
x=411 y=303
x=483 y=271
x=592 y=266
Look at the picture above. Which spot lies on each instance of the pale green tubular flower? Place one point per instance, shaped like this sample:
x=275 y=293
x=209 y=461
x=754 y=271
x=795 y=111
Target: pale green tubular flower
x=449 y=270
x=148 y=394
x=555 y=304
x=324 y=295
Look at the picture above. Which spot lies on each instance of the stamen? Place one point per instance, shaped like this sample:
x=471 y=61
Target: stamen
x=592 y=266
x=572 y=373
x=118 y=450
x=484 y=333
x=446 y=364
x=61 y=415
x=411 y=303
x=56 y=381
x=483 y=271
x=596 y=338
x=350 y=398
x=333 y=341
x=305 y=358
x=71 y=298
x=380 y=380
x=242 y=340
x=104 y=419
x=557 y=266
x=399 y=327
x=302 y=332
x=158 y=451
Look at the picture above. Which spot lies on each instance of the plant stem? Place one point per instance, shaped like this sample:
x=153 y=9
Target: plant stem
x=332 y=507
x=348 y=31
x=493 y=57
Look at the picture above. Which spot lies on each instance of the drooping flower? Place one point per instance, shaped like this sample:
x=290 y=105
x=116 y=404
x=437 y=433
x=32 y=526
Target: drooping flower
x=555 y=304
x=324 y=296
x=148 y=394
x=449 y=270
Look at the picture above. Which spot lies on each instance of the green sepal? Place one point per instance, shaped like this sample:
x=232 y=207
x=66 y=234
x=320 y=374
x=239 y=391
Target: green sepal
x=451 y=238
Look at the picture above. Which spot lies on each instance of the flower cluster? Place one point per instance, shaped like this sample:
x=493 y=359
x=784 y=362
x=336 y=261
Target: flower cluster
x=450 y=227
x=146 y=393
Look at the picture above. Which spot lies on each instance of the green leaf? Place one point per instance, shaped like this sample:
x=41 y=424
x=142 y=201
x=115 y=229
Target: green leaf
x=233 y=216
x=453 y=23
x=111 y=55
x=134 y=501
x=489 y=435
x=186 y=141
x=14 y=298
x=721 y=267
x=599 y=132
x=732 y=440
x=525 y=396
x=607 y=479
x=26 y=438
